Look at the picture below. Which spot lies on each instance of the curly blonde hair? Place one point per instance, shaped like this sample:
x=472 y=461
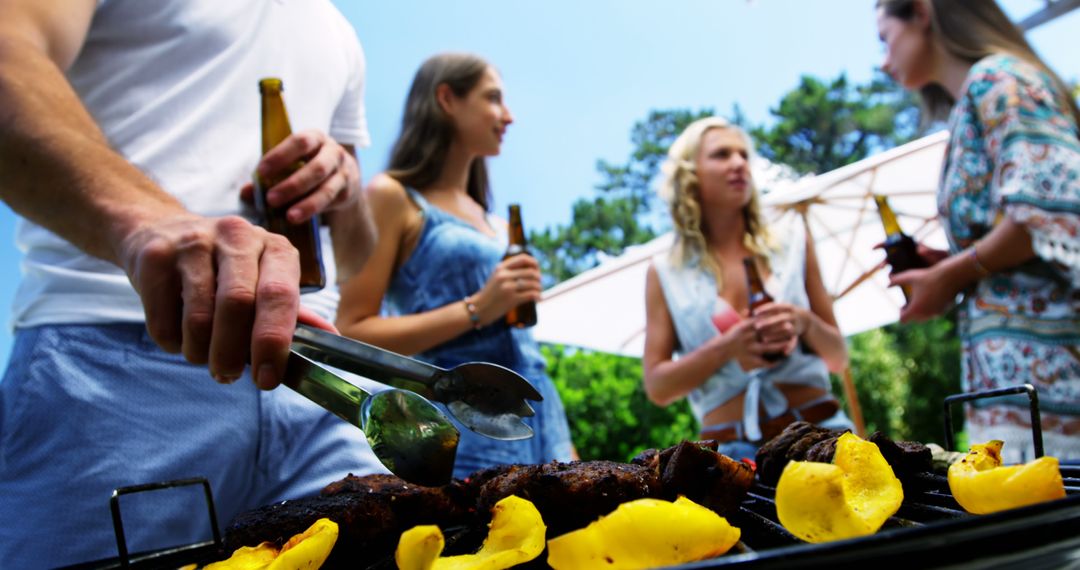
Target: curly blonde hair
x=680 y=190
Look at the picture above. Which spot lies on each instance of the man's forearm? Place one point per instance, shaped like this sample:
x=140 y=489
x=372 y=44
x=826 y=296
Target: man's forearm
x=56 y=167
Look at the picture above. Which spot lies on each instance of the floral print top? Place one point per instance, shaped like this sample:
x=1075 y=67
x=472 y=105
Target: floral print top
x=1014 y=152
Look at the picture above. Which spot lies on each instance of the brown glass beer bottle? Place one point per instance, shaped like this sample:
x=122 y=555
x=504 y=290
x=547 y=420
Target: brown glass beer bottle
x=524 y=315
x=758 y=296
x=304 y=236
x=900 y=250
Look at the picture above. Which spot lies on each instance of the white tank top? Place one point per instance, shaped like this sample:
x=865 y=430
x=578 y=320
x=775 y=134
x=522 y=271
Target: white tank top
x=174 y=86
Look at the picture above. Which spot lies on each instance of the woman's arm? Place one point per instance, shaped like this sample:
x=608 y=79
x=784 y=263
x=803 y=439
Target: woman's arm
x=934 y=289
x=667 y=380
x=512 y=282
x=352 y=232
x=362 y=294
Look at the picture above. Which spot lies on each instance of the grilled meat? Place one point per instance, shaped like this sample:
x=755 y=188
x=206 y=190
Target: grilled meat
x=906 y=457
x=802 y=441
x=697 y=472
x=372 y=511
x=771 y=458
x=569 y=496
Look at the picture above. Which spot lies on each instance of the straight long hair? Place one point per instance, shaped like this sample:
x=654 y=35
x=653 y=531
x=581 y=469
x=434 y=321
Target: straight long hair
x=972 y=30
x=419 y=153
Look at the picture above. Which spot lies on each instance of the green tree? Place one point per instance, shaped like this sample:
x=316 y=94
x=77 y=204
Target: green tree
x=902 y=373
x=609 y=415
x=823 y=125
x=617 y=218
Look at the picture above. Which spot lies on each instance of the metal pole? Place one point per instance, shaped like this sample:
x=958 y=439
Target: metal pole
x=853 y=403
x=1053 y=9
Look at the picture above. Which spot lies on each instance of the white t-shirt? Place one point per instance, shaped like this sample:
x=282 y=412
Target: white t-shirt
x=174 y=86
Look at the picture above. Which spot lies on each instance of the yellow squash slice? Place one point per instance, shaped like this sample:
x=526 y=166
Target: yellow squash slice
x=515 y=535
x=981 y=485
x=645 y=533
x=304 y=551
x=852 y=496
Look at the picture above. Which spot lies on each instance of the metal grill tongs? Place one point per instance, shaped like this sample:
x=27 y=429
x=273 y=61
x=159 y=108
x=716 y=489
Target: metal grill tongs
x=486 y=398
x=410 y=436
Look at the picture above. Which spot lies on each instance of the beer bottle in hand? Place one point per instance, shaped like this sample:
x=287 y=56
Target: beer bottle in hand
x=755 y=288
x=305 y=235
x=900 y=249
x=524 y=315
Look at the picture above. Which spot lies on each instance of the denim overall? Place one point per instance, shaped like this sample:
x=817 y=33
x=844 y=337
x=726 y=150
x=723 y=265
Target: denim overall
x=452 y=260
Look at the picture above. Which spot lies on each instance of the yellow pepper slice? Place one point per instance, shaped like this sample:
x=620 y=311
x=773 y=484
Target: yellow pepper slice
x=981 y=485
x=515 y=535
x=852 y=496
x=307 y=550
x=644 y=534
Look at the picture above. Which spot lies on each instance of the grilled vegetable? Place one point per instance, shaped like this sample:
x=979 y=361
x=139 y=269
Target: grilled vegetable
x=515 y=535
x=981 y=485
x=307 y=550
x=644 y=534
x=852 y=496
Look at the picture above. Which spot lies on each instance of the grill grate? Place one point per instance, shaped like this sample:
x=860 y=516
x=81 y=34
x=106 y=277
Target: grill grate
x=930 y=530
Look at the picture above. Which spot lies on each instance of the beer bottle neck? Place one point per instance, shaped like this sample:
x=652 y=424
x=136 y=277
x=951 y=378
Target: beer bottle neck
x=275 y=120
x=517 y=229
x=888 y=218
x=753 y=278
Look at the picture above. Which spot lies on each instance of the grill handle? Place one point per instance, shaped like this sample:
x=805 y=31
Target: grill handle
x=1033 y=405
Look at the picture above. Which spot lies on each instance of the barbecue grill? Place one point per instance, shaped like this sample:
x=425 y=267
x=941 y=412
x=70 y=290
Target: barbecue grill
x=929 y=531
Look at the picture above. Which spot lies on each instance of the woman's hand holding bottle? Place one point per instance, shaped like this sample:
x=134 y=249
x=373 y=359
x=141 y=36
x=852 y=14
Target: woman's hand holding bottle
x=515 y=280
x=742 y=343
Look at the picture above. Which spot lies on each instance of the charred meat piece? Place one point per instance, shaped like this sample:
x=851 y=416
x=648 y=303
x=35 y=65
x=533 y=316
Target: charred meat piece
x=802 y=441
x=706 y=477
x=823 y=451
x=371 y=513
x=799 y=449
x=569 y=496
x=772 y=457
x=907 y=458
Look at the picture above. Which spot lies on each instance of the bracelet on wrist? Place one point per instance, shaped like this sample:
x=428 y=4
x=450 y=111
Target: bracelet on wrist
x=979 y=267
x=474 y=317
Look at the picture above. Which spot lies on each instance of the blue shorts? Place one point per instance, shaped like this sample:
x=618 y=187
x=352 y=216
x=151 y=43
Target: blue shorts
x=85 y=409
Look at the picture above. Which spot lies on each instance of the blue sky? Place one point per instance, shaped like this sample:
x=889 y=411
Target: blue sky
x=579 y=73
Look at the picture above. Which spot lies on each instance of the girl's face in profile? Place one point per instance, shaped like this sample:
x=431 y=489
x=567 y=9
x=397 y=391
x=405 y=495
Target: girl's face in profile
x=908 y=54
x=481 y=117
x=723 y=169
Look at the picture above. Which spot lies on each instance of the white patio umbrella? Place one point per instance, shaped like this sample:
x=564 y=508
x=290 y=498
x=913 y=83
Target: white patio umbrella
x=604 y=308
x=838 y=208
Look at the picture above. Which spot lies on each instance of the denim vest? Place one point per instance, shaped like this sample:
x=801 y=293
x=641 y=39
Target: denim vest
x=452 y=260
x=692 y=299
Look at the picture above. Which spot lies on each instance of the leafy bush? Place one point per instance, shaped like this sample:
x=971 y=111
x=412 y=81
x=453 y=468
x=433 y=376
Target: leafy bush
x=609 y=415
x=902 y=374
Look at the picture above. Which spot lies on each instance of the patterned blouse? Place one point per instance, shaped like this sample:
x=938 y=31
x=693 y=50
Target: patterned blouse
x=1014 y=152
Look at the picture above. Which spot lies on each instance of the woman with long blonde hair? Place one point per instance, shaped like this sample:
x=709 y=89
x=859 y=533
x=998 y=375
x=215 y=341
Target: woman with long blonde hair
x=746 y=377
x=1010 y=203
